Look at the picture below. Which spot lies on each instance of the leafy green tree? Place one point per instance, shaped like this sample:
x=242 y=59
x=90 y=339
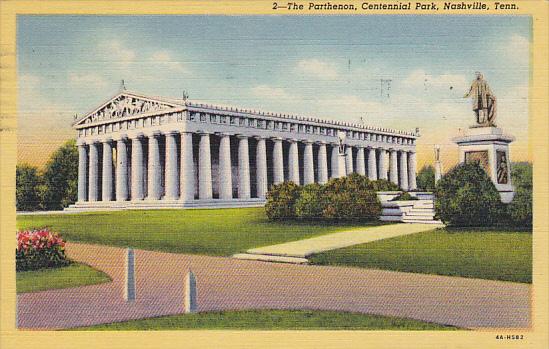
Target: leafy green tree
x=426 y=178
x=520 y=209
x=27 y=180
x=61 y=177
x=466 y=196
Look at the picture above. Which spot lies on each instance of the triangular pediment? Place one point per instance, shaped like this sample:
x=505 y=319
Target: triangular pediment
x=127 y=104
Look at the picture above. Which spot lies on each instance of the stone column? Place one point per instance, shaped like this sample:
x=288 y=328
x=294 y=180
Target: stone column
x=93 y=190
x=121 y=169
x=186 y=174
x=106 y=187
x=403 y=170
x=349 y=160
x=243 y=168
x=225 y=171
x=154 y=170
x=335 y=161
x=278 y=162
x=204 y=168
x=382 y=167
x=261 y=168
x=412 y=163
x=137 y=169
x=308 y=164
x=82 y=172
x=293 y=162
x=393 y=166
x=172 y=167
x=372 y=164
x=360 y=164
x=322 y=164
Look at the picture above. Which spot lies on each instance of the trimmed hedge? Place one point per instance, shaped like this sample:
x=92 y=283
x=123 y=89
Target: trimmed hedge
x=311 y=202
x=281 y=200
x=38 y=249
x=466 y=196
x=348 y=198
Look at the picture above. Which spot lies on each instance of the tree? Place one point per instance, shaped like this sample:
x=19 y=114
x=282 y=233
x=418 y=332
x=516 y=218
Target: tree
x=466 y=196
x=426 y=178
x=520 y=209
x=61 y=177
x=27 y=180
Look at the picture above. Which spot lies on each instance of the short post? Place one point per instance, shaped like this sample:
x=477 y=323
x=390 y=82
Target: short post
x=190 y=293
x=129 y=289
x=438 y=164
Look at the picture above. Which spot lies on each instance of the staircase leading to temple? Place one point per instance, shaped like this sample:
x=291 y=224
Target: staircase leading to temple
x=412 y=211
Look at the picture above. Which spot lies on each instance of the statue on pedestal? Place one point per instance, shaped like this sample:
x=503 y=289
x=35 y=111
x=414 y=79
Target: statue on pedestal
x=484 y=101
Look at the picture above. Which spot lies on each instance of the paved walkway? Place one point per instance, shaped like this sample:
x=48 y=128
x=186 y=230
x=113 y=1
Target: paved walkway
x=228 y=283
x=307 y=247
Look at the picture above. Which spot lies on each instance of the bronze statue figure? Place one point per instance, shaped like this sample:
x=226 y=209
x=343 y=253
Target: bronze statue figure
x=484 y=101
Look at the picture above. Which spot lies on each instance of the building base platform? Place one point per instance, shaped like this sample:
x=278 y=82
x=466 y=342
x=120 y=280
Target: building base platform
x=163 y=204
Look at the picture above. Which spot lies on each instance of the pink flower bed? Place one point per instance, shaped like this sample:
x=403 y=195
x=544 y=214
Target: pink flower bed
x=39 y=249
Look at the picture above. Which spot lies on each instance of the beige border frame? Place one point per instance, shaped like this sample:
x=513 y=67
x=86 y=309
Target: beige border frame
x=536 y=337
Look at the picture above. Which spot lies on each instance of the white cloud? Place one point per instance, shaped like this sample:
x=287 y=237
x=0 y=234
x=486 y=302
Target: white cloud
x=517 y=47
x=88 y=80
x=265 y=91
x=29 y=82
x=317 y=68
x=166 y=59
x=117 y=52
x=421 y=79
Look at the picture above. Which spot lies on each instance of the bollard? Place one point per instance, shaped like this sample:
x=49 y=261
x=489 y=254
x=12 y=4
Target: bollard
x=129 y=289
x=190 y=293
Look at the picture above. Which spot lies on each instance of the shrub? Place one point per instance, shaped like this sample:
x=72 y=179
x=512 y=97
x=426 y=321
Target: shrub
x=520 y=209
x=383 y=185
x=426 y=178
x=38 y=249
x=281 y=200
x=466 y=196
x=351 y=198
x=404 y=197
x=311 y=202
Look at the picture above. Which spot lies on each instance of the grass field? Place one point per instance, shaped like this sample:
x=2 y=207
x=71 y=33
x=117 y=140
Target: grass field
x=273 y=320
x=495 y=255
x=72 y=275
x=219 y=232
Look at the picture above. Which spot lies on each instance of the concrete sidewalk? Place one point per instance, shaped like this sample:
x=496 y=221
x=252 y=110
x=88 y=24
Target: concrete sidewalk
x=307 y=247
x=231 y=284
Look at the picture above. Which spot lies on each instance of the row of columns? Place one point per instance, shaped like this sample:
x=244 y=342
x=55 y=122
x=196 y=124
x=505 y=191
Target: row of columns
x=179 y=177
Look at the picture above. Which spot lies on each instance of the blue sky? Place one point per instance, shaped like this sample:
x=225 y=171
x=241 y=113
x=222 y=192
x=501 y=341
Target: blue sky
x=324 y=66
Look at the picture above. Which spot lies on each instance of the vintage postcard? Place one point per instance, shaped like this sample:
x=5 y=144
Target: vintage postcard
x=265 y=174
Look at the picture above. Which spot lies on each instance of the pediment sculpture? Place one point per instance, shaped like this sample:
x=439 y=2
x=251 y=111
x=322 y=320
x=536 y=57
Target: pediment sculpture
x=123 y=106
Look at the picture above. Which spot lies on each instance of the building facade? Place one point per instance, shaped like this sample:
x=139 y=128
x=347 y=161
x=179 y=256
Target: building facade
x=137 y=151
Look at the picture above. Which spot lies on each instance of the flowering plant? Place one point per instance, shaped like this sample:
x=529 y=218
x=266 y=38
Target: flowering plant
x=39 y=249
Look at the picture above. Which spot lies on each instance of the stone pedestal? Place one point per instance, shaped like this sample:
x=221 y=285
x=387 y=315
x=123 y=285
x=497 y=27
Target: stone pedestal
x=489 y=146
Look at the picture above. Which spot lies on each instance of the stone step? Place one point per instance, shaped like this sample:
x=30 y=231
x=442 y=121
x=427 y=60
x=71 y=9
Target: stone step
x=431 y=205
x=420 y=213
x=270 y=258
x=418 y=217
x=422 y=221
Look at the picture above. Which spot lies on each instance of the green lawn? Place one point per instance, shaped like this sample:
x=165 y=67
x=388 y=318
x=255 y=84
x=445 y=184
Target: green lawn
x=219 y=232
x=273 y=320
x=73 y=275
x=495 y=255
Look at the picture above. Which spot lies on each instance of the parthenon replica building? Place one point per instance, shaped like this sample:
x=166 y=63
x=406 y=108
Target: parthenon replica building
x=138 y=151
